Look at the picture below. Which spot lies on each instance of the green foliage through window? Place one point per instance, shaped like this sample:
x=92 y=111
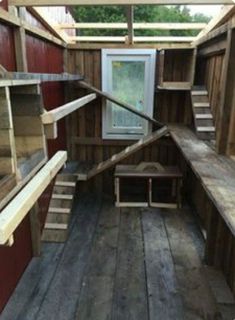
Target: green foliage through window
x=142 y=13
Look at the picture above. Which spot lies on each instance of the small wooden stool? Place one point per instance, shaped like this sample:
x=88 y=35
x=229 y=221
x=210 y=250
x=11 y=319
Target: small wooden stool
x=151 y=172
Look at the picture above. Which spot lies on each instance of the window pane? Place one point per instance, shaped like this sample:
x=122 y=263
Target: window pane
x=128 y=86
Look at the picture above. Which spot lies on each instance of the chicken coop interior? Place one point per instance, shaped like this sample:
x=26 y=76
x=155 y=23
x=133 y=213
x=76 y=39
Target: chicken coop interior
x=117 y=164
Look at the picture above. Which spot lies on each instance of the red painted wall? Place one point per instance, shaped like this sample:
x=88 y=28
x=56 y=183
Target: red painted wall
x=4 y=4
x=42 y=57
x=7 y=48
x=46 y=57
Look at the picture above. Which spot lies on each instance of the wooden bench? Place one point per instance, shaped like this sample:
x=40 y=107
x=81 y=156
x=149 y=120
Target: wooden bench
x=149 y=173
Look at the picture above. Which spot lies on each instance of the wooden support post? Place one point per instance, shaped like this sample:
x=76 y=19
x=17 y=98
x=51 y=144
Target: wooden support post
x=20 y=49
x=130 y=20
x=35 y=227
x=228 y=95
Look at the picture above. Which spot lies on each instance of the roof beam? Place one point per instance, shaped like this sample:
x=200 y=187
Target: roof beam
x=136 y=26
x=135 y=39
x=108 y=45
x=50 y=23
x=31 y=3
x=225 y=12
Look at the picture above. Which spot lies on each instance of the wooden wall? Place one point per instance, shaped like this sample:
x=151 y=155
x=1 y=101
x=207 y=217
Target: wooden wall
x=85 y=126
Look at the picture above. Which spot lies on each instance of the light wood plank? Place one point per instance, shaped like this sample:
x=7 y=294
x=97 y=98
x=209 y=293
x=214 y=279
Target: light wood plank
x=18 y=208
x=122 y=104
x=32 y=3
x=225 y=12
x=61 y=112
x=136 y=26
x=127 y=152
x=135 y=39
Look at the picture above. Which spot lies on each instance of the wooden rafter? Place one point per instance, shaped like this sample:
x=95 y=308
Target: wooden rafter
x=17 y=22
x=32 y=3
x=225 y=12
x=136 y=26
x=135 y=39
x=50 y=23
x=108 y=45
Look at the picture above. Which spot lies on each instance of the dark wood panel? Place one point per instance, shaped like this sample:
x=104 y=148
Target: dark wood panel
x=169 y=107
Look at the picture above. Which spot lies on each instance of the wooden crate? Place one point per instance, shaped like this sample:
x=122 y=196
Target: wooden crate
x=176 y=69
x=22 y=140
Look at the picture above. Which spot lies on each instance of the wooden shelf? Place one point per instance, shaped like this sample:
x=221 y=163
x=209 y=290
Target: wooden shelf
x=177 y=86
x=176 y=69
x=23 y=145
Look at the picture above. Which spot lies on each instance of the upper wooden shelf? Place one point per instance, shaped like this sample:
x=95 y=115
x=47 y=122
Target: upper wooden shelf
x=176 y=69
x=183 y=86
x=23 y=148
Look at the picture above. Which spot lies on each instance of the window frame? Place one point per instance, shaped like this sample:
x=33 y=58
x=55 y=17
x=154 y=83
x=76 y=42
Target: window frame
x=147 y=55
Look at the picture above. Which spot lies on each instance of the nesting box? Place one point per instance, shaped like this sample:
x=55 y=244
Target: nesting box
x=22 y=140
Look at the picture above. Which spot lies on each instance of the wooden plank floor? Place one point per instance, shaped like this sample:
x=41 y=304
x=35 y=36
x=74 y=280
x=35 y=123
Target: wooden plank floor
x=118 y=264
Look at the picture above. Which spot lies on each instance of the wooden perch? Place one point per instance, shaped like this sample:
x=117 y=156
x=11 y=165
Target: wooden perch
x=120 y=103
x=17 y=209
x=61 y=112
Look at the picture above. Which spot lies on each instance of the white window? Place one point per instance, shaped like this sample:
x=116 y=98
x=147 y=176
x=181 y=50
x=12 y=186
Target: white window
x=128 y=75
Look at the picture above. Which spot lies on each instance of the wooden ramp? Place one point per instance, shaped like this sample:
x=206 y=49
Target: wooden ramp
x=56 y=226
x=124 y=154
x=203 y=118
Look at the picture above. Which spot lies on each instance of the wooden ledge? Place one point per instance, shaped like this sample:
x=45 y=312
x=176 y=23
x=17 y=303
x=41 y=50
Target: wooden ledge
x=61 y=112
x=213 y=171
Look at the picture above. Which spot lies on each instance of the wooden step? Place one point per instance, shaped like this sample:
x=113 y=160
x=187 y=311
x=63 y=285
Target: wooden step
x=199 y=92
x=59 y=210
x=56 y=226
x=55 y=235
x=206 y=129
x=62 y=204
x=57 y=218
x=201 y=104
x=65 y=183
x=204 y=116
x=127 y=152
x=58 y=196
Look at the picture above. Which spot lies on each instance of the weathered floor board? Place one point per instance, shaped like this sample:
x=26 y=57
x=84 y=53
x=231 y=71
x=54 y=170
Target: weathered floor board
x=130 y=298
x=122 y=264
x=198 y=300
x=95 y=301
x=163 y=294
x=61 y=299
x=33 y=285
